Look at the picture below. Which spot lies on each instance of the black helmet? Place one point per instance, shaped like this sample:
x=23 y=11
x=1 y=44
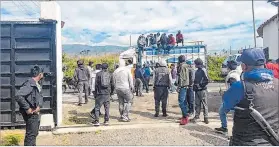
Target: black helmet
x=80 y=62
x=198 y=61
x=181 y=59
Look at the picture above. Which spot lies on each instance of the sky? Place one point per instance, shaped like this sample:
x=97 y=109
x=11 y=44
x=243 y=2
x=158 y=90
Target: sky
x=220 y=24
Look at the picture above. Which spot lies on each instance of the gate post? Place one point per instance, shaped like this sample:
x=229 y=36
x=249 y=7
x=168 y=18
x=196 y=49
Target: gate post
x=51 y=10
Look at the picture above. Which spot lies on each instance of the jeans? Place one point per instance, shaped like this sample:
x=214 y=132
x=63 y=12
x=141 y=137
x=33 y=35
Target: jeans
x=161 y=95
x=169 y=47
x=32 y=128
x=83 y=86
x=125 y=97
x=201 y=101
x=190 y=99
x=182 y=101
x=99 y=101
x=146 y=83
x=223 y=116
x=138 y=87
x=173 y=87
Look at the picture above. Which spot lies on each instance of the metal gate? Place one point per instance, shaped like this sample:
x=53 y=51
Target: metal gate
x=23 y=45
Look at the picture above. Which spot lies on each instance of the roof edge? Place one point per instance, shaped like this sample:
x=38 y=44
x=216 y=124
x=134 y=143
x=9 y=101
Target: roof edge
x=260 y=28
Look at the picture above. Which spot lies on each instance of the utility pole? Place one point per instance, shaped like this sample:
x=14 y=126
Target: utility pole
x=130 y=40
x=230 y=50
x=255 y=43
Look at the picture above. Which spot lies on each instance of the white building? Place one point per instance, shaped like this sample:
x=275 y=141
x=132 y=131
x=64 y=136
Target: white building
x=269 y=32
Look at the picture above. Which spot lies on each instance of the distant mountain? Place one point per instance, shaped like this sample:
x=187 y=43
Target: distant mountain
x=75 y=49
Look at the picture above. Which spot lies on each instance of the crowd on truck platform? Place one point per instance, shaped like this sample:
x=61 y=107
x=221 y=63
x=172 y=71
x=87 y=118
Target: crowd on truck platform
x=164 y=41
x=253 y=90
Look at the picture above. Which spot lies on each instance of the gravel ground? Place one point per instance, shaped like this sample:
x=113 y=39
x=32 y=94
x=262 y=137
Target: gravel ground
x=188 y=135
x=142 y=112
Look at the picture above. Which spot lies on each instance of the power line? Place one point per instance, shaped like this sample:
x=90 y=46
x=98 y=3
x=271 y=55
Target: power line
x=23 y=5
x=35 y=4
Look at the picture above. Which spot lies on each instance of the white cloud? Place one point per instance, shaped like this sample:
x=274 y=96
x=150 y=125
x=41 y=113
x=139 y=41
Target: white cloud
x=134 y=17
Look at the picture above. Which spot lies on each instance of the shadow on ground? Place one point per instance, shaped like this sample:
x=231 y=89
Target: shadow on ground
x=210 y=136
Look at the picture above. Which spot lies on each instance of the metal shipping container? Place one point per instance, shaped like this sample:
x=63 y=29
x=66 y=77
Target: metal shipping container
x=23 y=45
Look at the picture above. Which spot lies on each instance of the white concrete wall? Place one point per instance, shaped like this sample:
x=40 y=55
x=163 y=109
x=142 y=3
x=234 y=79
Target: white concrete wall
x=51 y=10
x=270 y=38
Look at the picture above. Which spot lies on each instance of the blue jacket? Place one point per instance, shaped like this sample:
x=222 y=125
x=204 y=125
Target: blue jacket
x=139 y=73
x=147 y=72
x=236 y=92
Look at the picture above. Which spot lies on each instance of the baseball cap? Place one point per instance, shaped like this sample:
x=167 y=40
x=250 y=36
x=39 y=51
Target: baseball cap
x=252 y=57
x=189 y=62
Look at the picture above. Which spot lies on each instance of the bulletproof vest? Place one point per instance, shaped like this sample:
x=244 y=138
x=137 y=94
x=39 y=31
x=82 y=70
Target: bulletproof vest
x=246 y=131
x=162 y=76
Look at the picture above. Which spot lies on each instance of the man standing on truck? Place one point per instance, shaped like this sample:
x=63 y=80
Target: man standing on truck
x=82 y=76
x=200 y=88
x=103 y=89
x=164 y=42
x=29 y=99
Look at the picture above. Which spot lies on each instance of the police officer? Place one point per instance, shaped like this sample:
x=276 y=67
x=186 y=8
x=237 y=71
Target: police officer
x=82 y=76
x=261 y=87
x=29 y=99
x=162 y=81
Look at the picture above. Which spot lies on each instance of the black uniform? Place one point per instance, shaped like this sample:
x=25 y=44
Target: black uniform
x=29 y=96
x=200 y=88
x=162 y=82
x=103 y=96
x=246 y=131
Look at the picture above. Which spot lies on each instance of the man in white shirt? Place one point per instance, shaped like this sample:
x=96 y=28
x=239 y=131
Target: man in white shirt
x=91 y=70
x=123 y=83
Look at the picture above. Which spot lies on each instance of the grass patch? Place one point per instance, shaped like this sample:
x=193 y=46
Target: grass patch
x=12 y=139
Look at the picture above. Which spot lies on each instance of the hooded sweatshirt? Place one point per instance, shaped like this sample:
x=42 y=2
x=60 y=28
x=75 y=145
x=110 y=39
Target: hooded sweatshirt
x=81 y=73
x=236 y=92
x=122 y=77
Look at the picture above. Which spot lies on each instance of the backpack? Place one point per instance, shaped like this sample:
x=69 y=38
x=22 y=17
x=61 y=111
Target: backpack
x=105 y=79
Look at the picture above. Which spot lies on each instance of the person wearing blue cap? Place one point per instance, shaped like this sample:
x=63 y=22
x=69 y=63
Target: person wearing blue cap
x=257 y=89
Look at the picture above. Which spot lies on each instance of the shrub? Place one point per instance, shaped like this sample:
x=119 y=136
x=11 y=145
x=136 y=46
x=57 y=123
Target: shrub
x=214 y=67
x=12 y=139
x=71 y=62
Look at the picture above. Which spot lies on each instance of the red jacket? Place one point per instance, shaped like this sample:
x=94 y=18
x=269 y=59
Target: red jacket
x=172 y=40
x=179 y=36
x=274 y=67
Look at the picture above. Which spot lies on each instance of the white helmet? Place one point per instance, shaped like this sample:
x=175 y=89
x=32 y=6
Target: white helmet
x=163 y=63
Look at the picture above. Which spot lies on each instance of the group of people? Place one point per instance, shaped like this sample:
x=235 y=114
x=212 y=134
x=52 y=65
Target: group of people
x=164 y=41
x=255 y=90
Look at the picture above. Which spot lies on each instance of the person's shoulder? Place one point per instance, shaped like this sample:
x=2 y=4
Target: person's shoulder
x=29 y=82
x=237 y=85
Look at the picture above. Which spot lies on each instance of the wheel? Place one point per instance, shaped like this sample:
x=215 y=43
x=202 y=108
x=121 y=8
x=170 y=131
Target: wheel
x=64 y=88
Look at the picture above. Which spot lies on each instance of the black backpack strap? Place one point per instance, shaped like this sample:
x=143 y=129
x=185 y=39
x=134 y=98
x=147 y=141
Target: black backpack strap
x=248 y=92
